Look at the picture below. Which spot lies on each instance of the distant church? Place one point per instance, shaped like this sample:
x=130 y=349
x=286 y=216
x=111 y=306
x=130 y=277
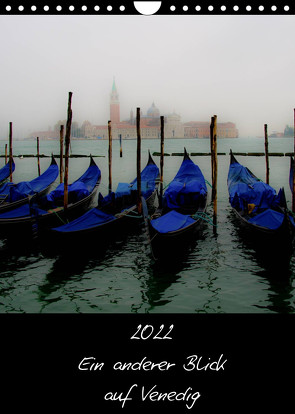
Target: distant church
x=150 y=124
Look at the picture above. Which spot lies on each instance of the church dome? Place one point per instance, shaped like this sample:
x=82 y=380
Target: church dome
x=153 y=111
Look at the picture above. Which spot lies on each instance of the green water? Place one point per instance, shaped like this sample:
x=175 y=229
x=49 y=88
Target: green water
x=219 y=274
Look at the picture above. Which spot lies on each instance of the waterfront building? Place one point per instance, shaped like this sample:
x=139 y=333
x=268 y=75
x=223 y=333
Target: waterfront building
x=202 y=130
x=149 y=125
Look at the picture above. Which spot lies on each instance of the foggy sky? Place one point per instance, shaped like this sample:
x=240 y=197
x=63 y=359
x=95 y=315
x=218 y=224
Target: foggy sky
x=240 y=68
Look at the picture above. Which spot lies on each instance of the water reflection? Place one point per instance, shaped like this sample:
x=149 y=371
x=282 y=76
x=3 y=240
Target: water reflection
x=273 y=261
x=274 y=268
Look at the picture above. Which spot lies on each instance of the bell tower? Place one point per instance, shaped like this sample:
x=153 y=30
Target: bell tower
x=114 y=105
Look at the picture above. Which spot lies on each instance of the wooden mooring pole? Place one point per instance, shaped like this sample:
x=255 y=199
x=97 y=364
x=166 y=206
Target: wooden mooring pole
x=110 y=155
x=61 y=153
x=212 y=155
x=161 y=162
x=5 y=153
x=213 y=138
x=38 y=156
x=67 y=145
x=10 y=152
x=138 y=163
x=293 y=171
x=121 y=151
x=266 y=153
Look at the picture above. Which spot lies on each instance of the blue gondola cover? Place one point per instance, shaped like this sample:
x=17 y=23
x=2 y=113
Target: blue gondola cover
x=23 y=189
x=258 y=200
x=5 y=171
x=92 y=218
x=244 y=188
x=270 y=218
x=187 y=186
x=95 y=217
x=148 y=183
x=171 y=221
x=84 y=185
x=78 y=190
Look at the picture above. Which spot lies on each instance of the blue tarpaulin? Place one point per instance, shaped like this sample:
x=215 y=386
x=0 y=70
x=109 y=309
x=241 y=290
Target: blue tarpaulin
x=23 y=189
x=81 y=186
x=171 y=221
x=5 y=172
x=269 y=218
x=258 y=193
x=244 y=188
x=95 y=217
x=78 y=190
x=148 y=183
x=187 y=186
x=22 y=211
x=92 y=218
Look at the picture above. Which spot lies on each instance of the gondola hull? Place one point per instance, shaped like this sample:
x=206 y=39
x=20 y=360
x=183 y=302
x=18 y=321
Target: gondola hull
x=187 y=217
x=29 y=219
x=165 y=244
x=6 y=206
x=122 y=223
x=269 y=236
x=118 y=216
x=44 y=222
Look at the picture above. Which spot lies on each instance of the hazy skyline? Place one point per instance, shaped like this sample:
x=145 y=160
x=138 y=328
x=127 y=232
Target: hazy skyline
x=240 y=68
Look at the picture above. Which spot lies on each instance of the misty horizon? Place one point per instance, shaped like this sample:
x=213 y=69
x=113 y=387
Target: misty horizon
x=240 y=68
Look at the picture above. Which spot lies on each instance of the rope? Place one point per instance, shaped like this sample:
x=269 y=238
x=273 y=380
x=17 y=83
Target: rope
x=205 y=217
x=133 y=216
x=207 y=182
x=60 y=218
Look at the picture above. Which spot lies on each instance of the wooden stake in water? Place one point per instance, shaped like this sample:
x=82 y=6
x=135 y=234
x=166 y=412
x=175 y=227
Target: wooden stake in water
x=110 y=155
x=266 y=153
x=212 y=155
x=10 y=152
x=38 y=156
x=121 y=152
x=138 y=163
x=61 y=153
x=293 y=168
x=67 y=145
x=5 y=153
x=162 y=161
x=213 y=136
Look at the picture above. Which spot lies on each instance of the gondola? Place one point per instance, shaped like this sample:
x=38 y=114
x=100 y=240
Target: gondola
x=48 y=211
x=181 y=211
x=5 y=171
x=14 y=195
x=260 y=211
x=114 y=210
